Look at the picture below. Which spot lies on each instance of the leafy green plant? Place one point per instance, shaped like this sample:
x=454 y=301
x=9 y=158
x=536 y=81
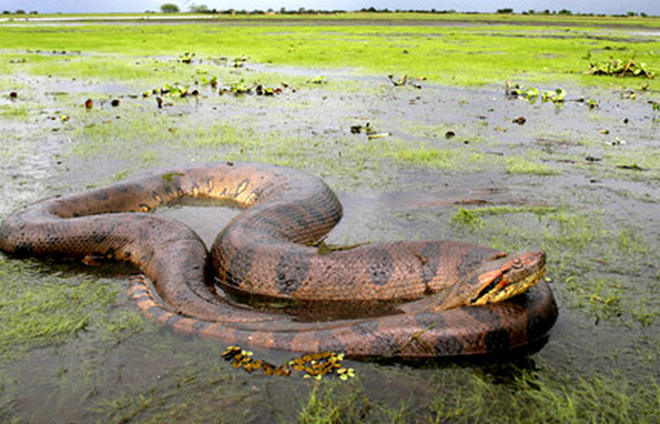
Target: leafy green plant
x=406 y=80
x=239 y=61
x=621 y=68
x=532 y=94
x=556 y=96
x=240 y=87
x=467 y=218
x=213 y=81
x=520 y=91
x=186 y=57
x=320 y=79
x=175 y=90
x=237 y=88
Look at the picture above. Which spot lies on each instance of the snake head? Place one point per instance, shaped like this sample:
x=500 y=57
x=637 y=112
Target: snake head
x=506 y=277
x=494 y=280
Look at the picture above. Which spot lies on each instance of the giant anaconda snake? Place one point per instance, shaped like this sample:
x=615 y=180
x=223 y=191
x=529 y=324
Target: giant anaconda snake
x=271 y=249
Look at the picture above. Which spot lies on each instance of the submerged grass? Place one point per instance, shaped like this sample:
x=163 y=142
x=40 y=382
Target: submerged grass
x=587 y=256
x=54 y=311
x=523 y=396
x=524 y=166
x=558 y=399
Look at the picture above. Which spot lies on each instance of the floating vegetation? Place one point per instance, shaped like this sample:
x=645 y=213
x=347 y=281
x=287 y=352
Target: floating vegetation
x=213 y=81
x=519 y=91
x=556 y=96
x=313 y=365
x=369 y=131
x=236 y=88
x=620 y=68
x=177 y=90
x=239 y=88
x=172 y=90
x=239 y=61
x=532 y=93
x=406 y=80
x=320 y=79
x=186 y=57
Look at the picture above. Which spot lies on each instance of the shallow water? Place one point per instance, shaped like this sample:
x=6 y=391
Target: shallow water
x=159 y=376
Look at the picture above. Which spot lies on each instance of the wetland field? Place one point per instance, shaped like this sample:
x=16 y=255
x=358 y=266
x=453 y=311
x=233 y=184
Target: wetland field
x=516 y=132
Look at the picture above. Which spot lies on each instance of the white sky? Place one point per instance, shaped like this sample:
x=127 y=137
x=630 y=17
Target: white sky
x=651 y=7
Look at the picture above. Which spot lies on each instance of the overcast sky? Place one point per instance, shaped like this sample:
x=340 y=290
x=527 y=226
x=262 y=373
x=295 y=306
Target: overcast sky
x=651 y=7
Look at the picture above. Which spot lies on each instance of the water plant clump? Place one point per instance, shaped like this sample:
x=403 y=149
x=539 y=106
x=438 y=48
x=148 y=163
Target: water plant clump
x=621 y=68
x=186 y=57
x=240 y=88
x=175 y=90
x=532 y=94
x=406 y=80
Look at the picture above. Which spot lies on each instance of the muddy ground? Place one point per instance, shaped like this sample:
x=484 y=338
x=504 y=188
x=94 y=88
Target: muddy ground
x=582 y=183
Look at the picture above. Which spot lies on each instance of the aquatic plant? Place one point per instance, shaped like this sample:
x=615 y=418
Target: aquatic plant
x=186 y=57
x=406 y=80
x=620 y=68
x=532 y=93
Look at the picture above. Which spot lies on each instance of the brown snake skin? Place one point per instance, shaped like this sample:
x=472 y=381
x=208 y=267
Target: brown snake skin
x=268 y=250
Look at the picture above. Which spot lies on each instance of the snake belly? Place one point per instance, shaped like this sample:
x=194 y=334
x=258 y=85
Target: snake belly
x=271 y=249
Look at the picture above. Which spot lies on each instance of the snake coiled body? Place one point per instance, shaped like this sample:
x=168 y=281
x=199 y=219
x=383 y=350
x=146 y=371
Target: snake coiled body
x=271 y=250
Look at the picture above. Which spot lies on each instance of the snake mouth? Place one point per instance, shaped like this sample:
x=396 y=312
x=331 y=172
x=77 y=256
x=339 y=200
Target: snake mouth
x=497 y=292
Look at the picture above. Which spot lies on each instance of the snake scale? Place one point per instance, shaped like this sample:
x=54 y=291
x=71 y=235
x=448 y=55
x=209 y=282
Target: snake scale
x=450 y=293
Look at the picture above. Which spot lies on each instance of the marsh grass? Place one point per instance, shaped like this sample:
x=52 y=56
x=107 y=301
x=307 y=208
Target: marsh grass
x=55 y=311
x=17 y=111
x=193 y=389
x=521 y=396
x=559 y=399
x=586 y=255
x=527 y=167
x=455 y=55
x=321 y=408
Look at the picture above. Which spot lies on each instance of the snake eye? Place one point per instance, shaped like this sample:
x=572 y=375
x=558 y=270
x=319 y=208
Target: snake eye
x=517 y=263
